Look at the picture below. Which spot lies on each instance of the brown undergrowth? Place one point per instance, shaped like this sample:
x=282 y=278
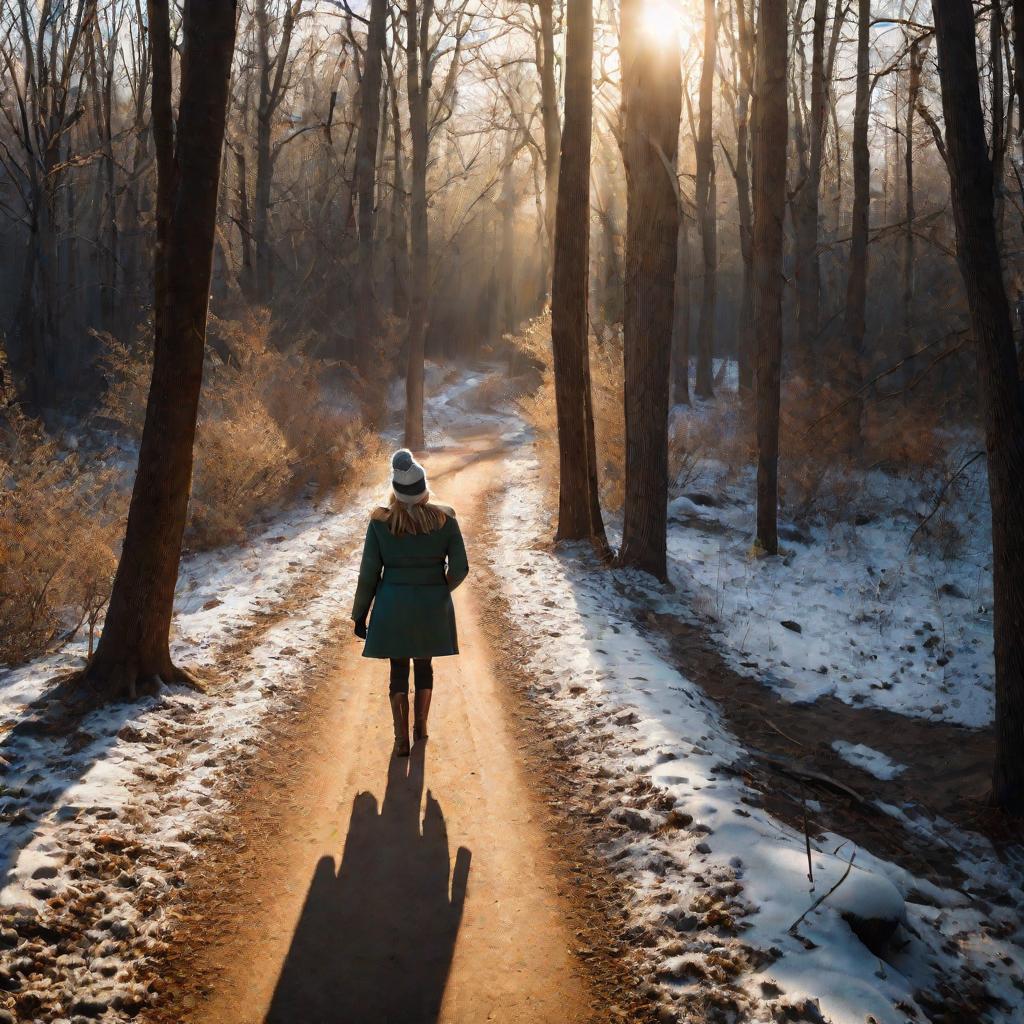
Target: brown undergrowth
x=269 y=430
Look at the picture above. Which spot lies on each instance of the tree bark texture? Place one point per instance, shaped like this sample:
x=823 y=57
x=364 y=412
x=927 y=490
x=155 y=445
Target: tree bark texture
x=578 y=511
x=651 y=106
x=805 y=209
x=854 y=326
x=971 y=188
x=134 y=644
x=769 y=165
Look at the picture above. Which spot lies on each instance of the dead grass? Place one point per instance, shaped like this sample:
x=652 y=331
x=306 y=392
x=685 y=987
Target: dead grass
x=61 y=520
x=268 y=431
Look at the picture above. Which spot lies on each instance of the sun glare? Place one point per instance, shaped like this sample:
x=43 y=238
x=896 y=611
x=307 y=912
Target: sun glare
x=663 y=20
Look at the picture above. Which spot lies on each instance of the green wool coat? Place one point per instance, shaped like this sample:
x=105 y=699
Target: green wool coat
x=408 y=580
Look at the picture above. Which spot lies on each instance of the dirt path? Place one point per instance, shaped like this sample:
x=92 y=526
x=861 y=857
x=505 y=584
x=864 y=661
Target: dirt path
x=358 y=888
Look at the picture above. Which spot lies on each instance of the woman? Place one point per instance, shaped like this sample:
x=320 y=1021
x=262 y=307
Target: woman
x=413 y=558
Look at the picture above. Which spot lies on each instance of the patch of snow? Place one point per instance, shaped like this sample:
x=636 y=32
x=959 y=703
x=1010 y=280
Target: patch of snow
x=874 y=762
x=880 y=624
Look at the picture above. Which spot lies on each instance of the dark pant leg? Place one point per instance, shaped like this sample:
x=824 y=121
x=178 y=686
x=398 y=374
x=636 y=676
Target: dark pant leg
x=399 y=675
x=423 y=674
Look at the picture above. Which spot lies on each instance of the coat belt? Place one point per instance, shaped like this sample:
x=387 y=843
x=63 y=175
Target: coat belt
x=416 y=576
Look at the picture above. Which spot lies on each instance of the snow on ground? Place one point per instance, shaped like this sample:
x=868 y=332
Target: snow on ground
x=849 y=609
x=719 y=883
x=870 y=760
x=99 y=824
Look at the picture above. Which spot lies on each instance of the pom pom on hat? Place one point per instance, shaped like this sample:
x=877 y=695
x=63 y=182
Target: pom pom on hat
x=408 y=480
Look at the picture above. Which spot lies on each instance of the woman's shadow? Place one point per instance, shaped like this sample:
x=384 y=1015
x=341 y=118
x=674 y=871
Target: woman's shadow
x=375 y=940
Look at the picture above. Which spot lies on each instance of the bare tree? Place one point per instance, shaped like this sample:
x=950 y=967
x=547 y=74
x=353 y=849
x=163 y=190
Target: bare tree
x=651 y=106
x=366 y=175
x=134 y=648
x=854 y=319
x=706 y=207
x=578 y=508
x=971 y=187
x=769 y=162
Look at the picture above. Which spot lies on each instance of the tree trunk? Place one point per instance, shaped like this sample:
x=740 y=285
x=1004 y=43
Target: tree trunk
x=1002 y=405
x=549 y=115
x=706 y=202
x=367 y=320
x=507 y=293
x=578 y=510
x=805 y=209
x=263 y=284
x=651 y=105
x=769 y=162
x=852 y=357
x=419 y=77
x=745 y=335
x=134 y=645
x=681 y=317
x=399 y=221
x=913 y=91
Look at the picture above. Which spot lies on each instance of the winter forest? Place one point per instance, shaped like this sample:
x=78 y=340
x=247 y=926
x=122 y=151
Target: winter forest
x=707 y=319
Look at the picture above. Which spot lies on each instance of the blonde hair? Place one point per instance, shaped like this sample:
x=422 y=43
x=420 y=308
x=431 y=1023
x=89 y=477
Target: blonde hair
x=402 y=517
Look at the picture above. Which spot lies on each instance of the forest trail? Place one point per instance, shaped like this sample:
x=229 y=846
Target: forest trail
x=416 y=890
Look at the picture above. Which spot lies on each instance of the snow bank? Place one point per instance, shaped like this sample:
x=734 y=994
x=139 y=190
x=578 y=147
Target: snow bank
x=847 y=610
x=718 y=882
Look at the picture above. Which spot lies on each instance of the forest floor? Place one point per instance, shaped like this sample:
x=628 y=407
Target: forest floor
x=614 y=818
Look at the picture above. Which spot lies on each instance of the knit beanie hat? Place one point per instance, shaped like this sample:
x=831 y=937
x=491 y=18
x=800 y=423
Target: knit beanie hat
x=409 y=481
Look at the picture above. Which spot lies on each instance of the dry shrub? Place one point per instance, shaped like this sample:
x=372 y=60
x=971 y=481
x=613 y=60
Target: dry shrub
x=369 y=384
x=534 y=342
x=493 y=391
x=816 y=472
x=267 y=429
x=710 y=437
x=61 y=521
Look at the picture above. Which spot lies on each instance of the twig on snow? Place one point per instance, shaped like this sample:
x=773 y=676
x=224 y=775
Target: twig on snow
x=821 y=899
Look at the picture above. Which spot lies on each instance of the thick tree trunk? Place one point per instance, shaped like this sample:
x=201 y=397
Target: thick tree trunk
x=578 y=510
x=134 y=645
x=681 y=317
x=706 y=203
x=852 y=356
x=1002 y=406
x=419 y=78
x=651 y=105
x=367 y=320
x=769 y=161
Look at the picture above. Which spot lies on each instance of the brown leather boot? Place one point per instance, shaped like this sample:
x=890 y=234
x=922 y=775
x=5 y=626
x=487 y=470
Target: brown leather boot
x=400 y=713
x=419 y=730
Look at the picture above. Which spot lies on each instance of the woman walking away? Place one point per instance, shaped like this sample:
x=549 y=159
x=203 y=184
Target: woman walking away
x=413 y=558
